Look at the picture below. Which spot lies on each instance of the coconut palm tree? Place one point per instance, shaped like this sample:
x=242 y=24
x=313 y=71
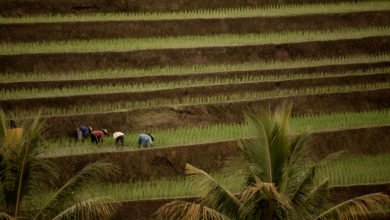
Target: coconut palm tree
x=24 y=174
x=280 y=181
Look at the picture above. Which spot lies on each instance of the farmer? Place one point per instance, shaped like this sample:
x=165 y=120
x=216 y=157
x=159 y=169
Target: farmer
x=146 y=140
x=119 y=137
x=97 y=136
x=82 y=132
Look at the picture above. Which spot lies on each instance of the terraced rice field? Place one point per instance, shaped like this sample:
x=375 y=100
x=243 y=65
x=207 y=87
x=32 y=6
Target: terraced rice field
x=187 y=73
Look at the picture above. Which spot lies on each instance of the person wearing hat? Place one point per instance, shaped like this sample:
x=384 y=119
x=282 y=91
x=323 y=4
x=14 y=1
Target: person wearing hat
x=146 y=140
x=97 y=136
x=119 y=137
x=82 y=132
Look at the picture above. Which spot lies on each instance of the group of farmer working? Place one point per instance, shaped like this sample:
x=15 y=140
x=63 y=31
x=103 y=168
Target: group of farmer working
x=144 y=140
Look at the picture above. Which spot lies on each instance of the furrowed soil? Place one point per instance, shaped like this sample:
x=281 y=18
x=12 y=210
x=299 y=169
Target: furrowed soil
x=337 y=68
x=34 y=32
x=53 y=62
x=138 y=120
x=152 y=163
x=186 y=92
x=19 y=8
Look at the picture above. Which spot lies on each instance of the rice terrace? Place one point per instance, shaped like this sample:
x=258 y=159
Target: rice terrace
x=200 y=109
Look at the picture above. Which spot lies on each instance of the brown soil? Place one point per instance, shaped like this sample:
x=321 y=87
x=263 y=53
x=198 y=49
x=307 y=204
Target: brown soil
x=199 y=91
x=170 y=161
x=136 y=120
x=144 y=209
x=182 y=77
x=19 y=8
x=55 y=62
x=121 y=29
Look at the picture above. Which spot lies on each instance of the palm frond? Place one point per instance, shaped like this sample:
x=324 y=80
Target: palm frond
x=262 y=200
x=93 y=208
x=356 y=208
x=187 y=210
x=6 y=216
x=295 y=165
x=257 y=152
x=309 y=202
x=31 y=141
x=217 y=197
x=88 y=175
x=268 y=151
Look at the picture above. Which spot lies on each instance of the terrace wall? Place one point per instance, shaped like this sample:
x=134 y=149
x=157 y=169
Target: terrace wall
x=138 y=120
x=54 y=62
x=147 y=164
x=119 y=29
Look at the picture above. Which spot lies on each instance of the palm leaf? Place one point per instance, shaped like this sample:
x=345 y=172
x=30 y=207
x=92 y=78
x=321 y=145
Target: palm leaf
x=93 y=208
x=187 y=210
x=88 y=175
x=356 y=208
x=256 y=151
x=262 y=200
x=217 y=197
x=5 y=216
x=295 y=165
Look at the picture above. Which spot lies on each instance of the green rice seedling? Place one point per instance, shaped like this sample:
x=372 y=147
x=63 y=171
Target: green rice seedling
x=194 y=69
x=192 y=100
x=270 y=11
x=22 y=93
x=221 y=132
x=360 y=169
x=222 y=40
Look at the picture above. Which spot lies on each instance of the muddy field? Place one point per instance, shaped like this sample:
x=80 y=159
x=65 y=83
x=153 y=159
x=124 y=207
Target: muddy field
x=119 y=29
x=192 y=56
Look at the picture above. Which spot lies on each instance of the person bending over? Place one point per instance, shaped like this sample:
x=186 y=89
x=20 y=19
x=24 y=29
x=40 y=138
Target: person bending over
x=119 y=138
x=146 y=140
x=82 y=132
x=97 y=136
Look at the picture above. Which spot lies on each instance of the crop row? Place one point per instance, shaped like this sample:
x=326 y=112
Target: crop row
x=150 y=86
x=357 y=169
x=220 y=132
x=193 y=69
x=131 y=44
x=17 y=106
x=271 y=11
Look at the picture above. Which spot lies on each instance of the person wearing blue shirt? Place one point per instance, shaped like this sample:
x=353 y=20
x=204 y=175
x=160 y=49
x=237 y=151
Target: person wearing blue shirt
x=146 y=140
x=82 y=132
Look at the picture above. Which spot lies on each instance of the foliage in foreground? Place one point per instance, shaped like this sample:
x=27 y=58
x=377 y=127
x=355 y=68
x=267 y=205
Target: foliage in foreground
x=23 y=174
x=279 y=182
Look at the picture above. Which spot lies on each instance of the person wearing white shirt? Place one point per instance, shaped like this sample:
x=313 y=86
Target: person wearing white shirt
x=119 y=137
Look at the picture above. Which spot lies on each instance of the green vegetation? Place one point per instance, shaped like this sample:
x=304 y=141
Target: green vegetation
x=23 y=174
x=223 y=40
x=279 y=178
x=220 y=132
x=278 y=10
x=358 y=169
x=22 y=93
x=195 y=69
x=193 y=100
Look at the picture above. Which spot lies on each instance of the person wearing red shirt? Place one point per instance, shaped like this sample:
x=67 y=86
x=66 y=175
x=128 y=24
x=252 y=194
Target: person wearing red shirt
x=97 y=136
